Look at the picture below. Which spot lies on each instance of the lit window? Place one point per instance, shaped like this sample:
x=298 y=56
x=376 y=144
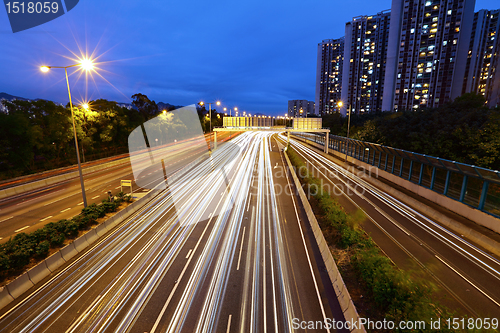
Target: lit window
x=449 y=12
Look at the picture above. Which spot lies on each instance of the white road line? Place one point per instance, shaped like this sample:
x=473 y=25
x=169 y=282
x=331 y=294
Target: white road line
x=472 y=284
x=241 y=248
x=22 y=228
x=7 y=219
x=81 y=203
x=306 y=250
x=189 y=253
x=65 y=210
x=97 y=196
x=228 y=324
x=48 y=217
x=54 y=201
x=117 y=187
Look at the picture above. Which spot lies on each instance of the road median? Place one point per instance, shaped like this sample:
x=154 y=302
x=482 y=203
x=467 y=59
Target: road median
x=45 y=267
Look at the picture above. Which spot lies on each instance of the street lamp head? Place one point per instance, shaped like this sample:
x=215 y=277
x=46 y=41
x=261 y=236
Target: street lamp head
x=218 y=103
x=87 y=64
x=44 y=69
x=235 y=109
x=164 y=111
x=339 y=104
x=225 y=109
x=85 y=106
x=201 y=103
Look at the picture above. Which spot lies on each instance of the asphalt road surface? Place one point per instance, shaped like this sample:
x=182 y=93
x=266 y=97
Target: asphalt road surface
x=218 y=251
x=469 y=277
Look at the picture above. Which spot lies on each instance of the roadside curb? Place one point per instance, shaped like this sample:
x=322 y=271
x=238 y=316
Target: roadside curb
x=16 y=190
x=462 y=230
x=28 y=279
x=345 y=301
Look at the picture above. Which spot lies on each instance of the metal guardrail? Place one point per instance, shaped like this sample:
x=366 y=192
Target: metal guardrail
x=474 y=186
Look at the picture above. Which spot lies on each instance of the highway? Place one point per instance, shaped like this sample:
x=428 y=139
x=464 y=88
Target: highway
x=34 y=209
x=468 y=276
x=218 y=251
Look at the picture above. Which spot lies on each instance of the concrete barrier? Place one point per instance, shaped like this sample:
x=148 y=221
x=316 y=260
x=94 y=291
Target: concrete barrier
x=39 y=272
x=5 y=297
x=91 y=236
x=345 y=301
x=68 y=251
x=101 y=229
x=81 y=243
x=57 y=179
x=475 y=215
x=20 y=285
x=36 y=274
x=54 y=261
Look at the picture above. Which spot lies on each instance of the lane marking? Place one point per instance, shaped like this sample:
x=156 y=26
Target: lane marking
x=472 y=284
x=97 y=196
x=229 y=323
x=7 y=219
x=65 y=210
x=81 y=203
x=241 y=248
x=189 y=253
x=55 y=201
x=26 y=227
x=318 y=295
x=48 y=217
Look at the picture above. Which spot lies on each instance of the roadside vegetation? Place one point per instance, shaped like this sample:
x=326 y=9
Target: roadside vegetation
x=36 y=136
x=388 y=292
x=464 y=131
x=27 y=248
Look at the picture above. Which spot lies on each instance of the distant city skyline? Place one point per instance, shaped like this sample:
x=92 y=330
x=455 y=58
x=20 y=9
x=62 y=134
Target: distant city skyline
x=250 y=55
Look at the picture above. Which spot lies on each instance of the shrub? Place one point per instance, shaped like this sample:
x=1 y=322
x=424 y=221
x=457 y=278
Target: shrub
x=18 y=251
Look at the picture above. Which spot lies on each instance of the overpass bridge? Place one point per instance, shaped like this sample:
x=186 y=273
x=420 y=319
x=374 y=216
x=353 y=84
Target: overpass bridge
x=324 y=131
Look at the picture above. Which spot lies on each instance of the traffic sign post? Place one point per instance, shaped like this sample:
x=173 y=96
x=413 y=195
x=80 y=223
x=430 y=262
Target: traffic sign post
x=126 y=183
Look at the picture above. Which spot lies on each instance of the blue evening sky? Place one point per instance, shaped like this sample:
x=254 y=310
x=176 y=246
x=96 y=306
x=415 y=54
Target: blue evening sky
x=252 y=54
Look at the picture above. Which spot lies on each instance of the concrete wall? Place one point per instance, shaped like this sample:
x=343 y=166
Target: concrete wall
x=464 y=210
x=23 y=283
x=57 y=179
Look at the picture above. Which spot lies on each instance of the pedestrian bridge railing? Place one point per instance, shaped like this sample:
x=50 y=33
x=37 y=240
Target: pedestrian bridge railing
x=474 y=186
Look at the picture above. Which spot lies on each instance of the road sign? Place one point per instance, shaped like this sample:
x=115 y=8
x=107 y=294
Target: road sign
x=126 y=183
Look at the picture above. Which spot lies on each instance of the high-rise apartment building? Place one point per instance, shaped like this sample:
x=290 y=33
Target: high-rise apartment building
x=365 y=54
x=427 y=52
x=481 y=74
x=329 y=75
x=300 y=108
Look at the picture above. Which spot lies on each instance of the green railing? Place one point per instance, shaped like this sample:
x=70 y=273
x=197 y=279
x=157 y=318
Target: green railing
x=474 y=186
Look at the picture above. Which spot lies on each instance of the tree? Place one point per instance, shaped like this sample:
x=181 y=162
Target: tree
x=146 y=107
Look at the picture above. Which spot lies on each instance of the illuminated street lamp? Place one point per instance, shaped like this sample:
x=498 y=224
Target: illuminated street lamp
x=87 y=65
x=340 y=104
x=210 y=113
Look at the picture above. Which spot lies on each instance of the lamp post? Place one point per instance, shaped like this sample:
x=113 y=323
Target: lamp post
x=210 y=113
x=340 y=104
x=87 y=65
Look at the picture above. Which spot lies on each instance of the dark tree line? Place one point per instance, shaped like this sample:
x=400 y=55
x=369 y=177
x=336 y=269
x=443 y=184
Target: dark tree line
x=464 y=131
x=38 y=135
